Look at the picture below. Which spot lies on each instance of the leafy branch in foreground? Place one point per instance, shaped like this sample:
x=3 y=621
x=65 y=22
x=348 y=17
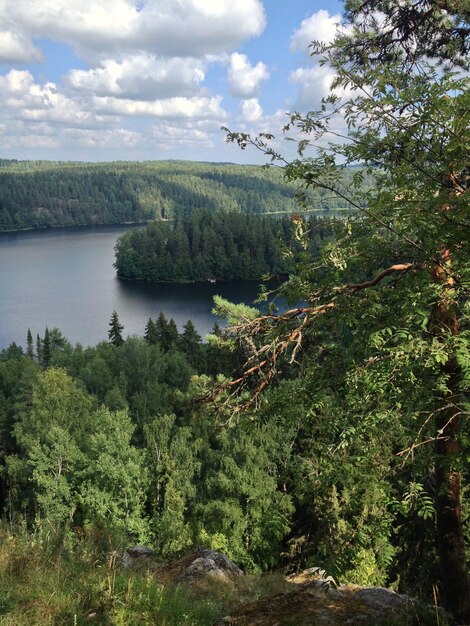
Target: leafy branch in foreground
x=387 y=313
x=288 y=330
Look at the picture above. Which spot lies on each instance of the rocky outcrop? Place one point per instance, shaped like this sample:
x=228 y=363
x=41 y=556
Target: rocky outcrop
x=311 y=601
x=138 y=556
x=210 y=563
x=197 y=566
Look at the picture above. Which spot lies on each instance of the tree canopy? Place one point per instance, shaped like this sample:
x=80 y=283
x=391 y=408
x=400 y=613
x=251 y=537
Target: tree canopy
x=211 y=245
x=43 y=194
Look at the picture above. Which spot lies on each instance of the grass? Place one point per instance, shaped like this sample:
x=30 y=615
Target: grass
x=43 y=585
x=46 y=583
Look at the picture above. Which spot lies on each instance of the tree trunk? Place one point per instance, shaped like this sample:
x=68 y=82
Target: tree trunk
x=450 y=537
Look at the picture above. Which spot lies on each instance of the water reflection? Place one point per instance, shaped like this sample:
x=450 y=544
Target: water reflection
x=65 y=278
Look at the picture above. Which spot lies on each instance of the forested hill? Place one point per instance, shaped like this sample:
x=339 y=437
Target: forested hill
x=39 y=194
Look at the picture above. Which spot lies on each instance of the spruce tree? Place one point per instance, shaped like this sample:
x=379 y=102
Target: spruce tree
x=151 y=335
x=115 y=330
x=46 y=349
x=39 y=349
x=29 y=345
x=161 y=325
x=167 y=332
x=172 y=335
x=190 y=343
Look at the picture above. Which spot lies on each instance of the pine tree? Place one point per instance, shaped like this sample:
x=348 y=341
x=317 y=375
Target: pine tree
x=190 y=343
x=39 y=349
x=115 y=330
x=29 y=345
x=151 y=334
x=46 y=349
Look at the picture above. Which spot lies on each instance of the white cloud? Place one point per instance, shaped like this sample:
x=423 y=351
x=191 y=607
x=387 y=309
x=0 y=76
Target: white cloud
x=321 y=26
x=118 y=138
x=189 y=135
x=170 y=108
x=141 y=76
x=315 y=84
x=315 y=81
x=100 y=29
x=46 y=136
x=16 y=48
x=244 y=79
x=251 y=110
x=24 y=99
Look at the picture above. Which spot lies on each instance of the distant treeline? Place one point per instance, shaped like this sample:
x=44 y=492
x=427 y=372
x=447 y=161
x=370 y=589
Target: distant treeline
x=211 y=245
x=40 y=194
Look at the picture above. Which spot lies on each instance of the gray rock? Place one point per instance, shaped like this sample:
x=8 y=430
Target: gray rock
x=136 y=554
x=379 y=598
x=210 y=563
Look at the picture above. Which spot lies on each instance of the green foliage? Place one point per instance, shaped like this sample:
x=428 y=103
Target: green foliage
x=115 y=330
x=42 y=194
x=76 y=465
x=173 y=463
x=241 y=507
x=209 y=245
x=382 y=358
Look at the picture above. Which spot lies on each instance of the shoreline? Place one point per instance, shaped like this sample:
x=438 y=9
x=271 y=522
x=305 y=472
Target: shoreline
x=30 y=229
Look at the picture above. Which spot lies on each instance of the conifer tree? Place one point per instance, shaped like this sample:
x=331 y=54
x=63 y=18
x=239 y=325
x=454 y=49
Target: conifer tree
x=29 y=345
x=151 y=335
x=172 y=335
x=46 y=349
x=39 y=349
x=115 y=330
x=161 y=324
x=190 y=343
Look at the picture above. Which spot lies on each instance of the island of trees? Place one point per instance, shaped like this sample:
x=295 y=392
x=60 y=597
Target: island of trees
x=212 y=245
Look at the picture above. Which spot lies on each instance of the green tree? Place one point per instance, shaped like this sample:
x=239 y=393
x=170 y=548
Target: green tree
x=77 y=464
x=38 y=348
x=393 y=288
x=115 y=330
x=29 y=345
x=190 y=344
x=46 y=349
x=167 y=332
x=151 y=335
x=174 y=467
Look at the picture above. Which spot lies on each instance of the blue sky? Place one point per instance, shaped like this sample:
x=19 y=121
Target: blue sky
x=155 y=79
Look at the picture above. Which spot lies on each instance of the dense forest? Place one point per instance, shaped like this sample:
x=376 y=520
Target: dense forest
x=40 y=194
x=332 y=434
x=212 y=245
x=110 y=438
x=116 y=443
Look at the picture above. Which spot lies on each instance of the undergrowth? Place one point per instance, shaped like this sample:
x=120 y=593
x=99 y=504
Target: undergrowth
x=45 y=584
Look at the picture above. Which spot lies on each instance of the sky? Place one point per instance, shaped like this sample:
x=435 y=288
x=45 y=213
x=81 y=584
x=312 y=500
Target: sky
x=106 y=80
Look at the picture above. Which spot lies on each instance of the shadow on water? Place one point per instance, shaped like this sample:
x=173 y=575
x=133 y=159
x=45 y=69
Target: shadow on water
x=188 y=301
x=65 y=278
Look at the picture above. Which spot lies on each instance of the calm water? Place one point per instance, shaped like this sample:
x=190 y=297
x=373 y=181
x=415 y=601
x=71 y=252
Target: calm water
x=65 y=278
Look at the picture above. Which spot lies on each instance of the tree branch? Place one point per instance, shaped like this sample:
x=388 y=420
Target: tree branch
x=398 y=267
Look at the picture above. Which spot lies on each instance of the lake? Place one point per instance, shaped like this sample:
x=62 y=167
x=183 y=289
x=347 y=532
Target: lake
x=65 y=278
